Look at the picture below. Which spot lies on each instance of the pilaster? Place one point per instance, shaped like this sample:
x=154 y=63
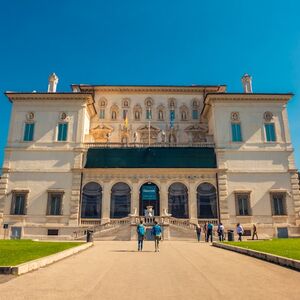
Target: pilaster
x=163 y=197
x=75 y=199
x=296 y=195
x=193 y=202
x=106 y=194
x=223 y=200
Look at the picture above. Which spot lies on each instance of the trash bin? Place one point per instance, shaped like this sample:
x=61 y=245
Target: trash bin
x=230 y=235
x=89 y=236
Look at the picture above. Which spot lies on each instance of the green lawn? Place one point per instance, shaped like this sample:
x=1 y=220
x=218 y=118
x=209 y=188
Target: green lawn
x=14 y=252
x=283 y=247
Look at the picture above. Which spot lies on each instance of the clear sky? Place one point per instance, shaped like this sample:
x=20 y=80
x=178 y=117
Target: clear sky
x=172 y=42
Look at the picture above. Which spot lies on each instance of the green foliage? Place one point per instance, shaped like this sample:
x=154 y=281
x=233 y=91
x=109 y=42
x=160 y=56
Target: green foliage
x=283 y=247
x=14 y=252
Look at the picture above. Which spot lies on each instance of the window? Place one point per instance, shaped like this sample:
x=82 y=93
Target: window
x=54 y=204
x=149 y=114
x=195 y=114
x=28 y=132
x=137 y=115
x=270 y=132
x=102 y=114
x=62 y=132
x=52 y=231
x=18 y=204
x=113 y=115
x=278 y=204
x=124 y=114
x=160 y=115
x=236 y=132
x=243 y=204
x=183 y=115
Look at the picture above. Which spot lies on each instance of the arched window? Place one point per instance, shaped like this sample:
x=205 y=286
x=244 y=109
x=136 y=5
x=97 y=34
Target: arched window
x=120 y=200
x=160 y=115
x=206 y=201
x=113 y=115
x=91 y=201
x=178 y=200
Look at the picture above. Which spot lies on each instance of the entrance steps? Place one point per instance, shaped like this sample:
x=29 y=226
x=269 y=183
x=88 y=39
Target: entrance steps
x=178 y=233
x=119 y=233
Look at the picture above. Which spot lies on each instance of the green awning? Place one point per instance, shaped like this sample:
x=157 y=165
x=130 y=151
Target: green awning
x=168 y=157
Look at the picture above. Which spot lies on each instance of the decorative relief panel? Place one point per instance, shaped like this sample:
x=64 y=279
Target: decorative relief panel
x=268 y=116
x=235 y=116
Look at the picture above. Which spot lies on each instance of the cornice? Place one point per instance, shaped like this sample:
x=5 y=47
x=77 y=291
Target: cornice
x=150 y=89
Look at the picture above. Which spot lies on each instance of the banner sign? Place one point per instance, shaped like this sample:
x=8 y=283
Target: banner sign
x=149 y=192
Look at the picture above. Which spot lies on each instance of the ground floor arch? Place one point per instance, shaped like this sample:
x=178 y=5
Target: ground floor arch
x=149 y=196
x=178 y=200
x=91 y=204
x=120 y=200
x=206 y=201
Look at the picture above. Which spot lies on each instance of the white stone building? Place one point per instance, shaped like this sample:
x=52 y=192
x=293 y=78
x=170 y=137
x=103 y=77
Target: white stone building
x=101 y=153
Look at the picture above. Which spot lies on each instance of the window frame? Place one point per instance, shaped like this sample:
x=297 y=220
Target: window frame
x=102 y=113
x=13 y=202
x=284 y=203
x=58 y=132
x=237 y=204
x=232 y=124
x=274 y=132
x=24 y=131
x=49 y=203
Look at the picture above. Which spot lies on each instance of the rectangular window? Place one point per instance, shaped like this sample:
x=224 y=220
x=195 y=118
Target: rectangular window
x=149 y=114
x=278 y=204
x=270 y=132
x=236 y=132
x=18 y=204
x=62 y=132
x=28 y=132
x=52 y=231
x=102 y=114
x=195 y=114
x=243 y=204
x=54 y=204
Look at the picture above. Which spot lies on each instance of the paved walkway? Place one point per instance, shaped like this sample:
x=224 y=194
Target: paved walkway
x=182 y=270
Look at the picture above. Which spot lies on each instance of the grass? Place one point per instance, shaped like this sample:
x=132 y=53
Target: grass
x=14 y=252
x=283 y=247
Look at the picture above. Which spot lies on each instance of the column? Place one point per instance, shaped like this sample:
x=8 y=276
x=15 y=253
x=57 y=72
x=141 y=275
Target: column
x=163 y=197
x=193 y=202
x=135 y=198
x=106 y=193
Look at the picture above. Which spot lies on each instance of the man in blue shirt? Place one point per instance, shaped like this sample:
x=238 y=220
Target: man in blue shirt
x=209 y=234
x=156 y=232
x=141 y=230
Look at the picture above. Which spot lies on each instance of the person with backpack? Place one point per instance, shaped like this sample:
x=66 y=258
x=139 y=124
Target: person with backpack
x=210 y=228
x=156 y=232
x=141 y=230
x=221 y=232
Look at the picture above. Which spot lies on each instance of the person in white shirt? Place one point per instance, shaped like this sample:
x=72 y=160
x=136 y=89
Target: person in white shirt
x=239 y=231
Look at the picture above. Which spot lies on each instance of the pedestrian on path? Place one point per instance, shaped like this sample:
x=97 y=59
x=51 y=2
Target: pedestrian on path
x=205 y=231
x=239 y=231
x=198 y=232
x=156 y=232
x=220 y=231
x=210 y=228
x=254 y=233
x=141 y=230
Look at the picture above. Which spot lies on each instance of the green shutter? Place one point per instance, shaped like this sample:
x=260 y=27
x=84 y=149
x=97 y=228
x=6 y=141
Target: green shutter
x=236 y=132
x=270 y=132
x=28 y=132
x=62 y=132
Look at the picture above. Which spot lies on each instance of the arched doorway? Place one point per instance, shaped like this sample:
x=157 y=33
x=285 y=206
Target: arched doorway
x=120 y=200
x=178 y=200
x=206 y=201
x=91 y=201
x=149 y=196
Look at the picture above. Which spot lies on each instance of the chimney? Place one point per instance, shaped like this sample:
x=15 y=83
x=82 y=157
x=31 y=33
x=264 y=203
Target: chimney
x=52 y=83
x=247 y=83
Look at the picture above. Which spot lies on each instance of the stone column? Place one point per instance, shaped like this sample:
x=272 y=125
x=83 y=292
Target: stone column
x=193 y=202
x=75 y=199
x=223 y=201
x=163 y=196
x=106 y=194
x=135 y=197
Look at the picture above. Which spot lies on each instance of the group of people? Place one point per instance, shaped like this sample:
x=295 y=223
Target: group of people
x=155 y=232
x=208 y=231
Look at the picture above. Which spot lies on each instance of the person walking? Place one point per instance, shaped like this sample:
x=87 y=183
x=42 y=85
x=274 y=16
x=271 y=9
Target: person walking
x=210 y=228
x=220 y=231
x=198 y=232
x=254 y=233
x=156 y=232
x=141 y=230
x=239 y=231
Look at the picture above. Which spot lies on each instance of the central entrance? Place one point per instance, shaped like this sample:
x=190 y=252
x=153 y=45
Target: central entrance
x=149 y=196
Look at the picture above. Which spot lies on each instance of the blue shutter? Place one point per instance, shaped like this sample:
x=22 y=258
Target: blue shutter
x=270 y=132
x=28 y=132
x=62 y=132
x=236 y=132
x=195 y=114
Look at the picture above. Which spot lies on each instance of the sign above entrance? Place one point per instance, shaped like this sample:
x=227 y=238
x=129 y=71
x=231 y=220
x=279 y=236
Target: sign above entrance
x=149 y=192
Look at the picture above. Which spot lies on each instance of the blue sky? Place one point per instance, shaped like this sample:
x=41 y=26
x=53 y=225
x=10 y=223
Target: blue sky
x=150 y=42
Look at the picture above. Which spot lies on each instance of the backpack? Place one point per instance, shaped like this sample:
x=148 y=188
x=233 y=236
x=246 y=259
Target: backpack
x=141 y=229
x=210 y=226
